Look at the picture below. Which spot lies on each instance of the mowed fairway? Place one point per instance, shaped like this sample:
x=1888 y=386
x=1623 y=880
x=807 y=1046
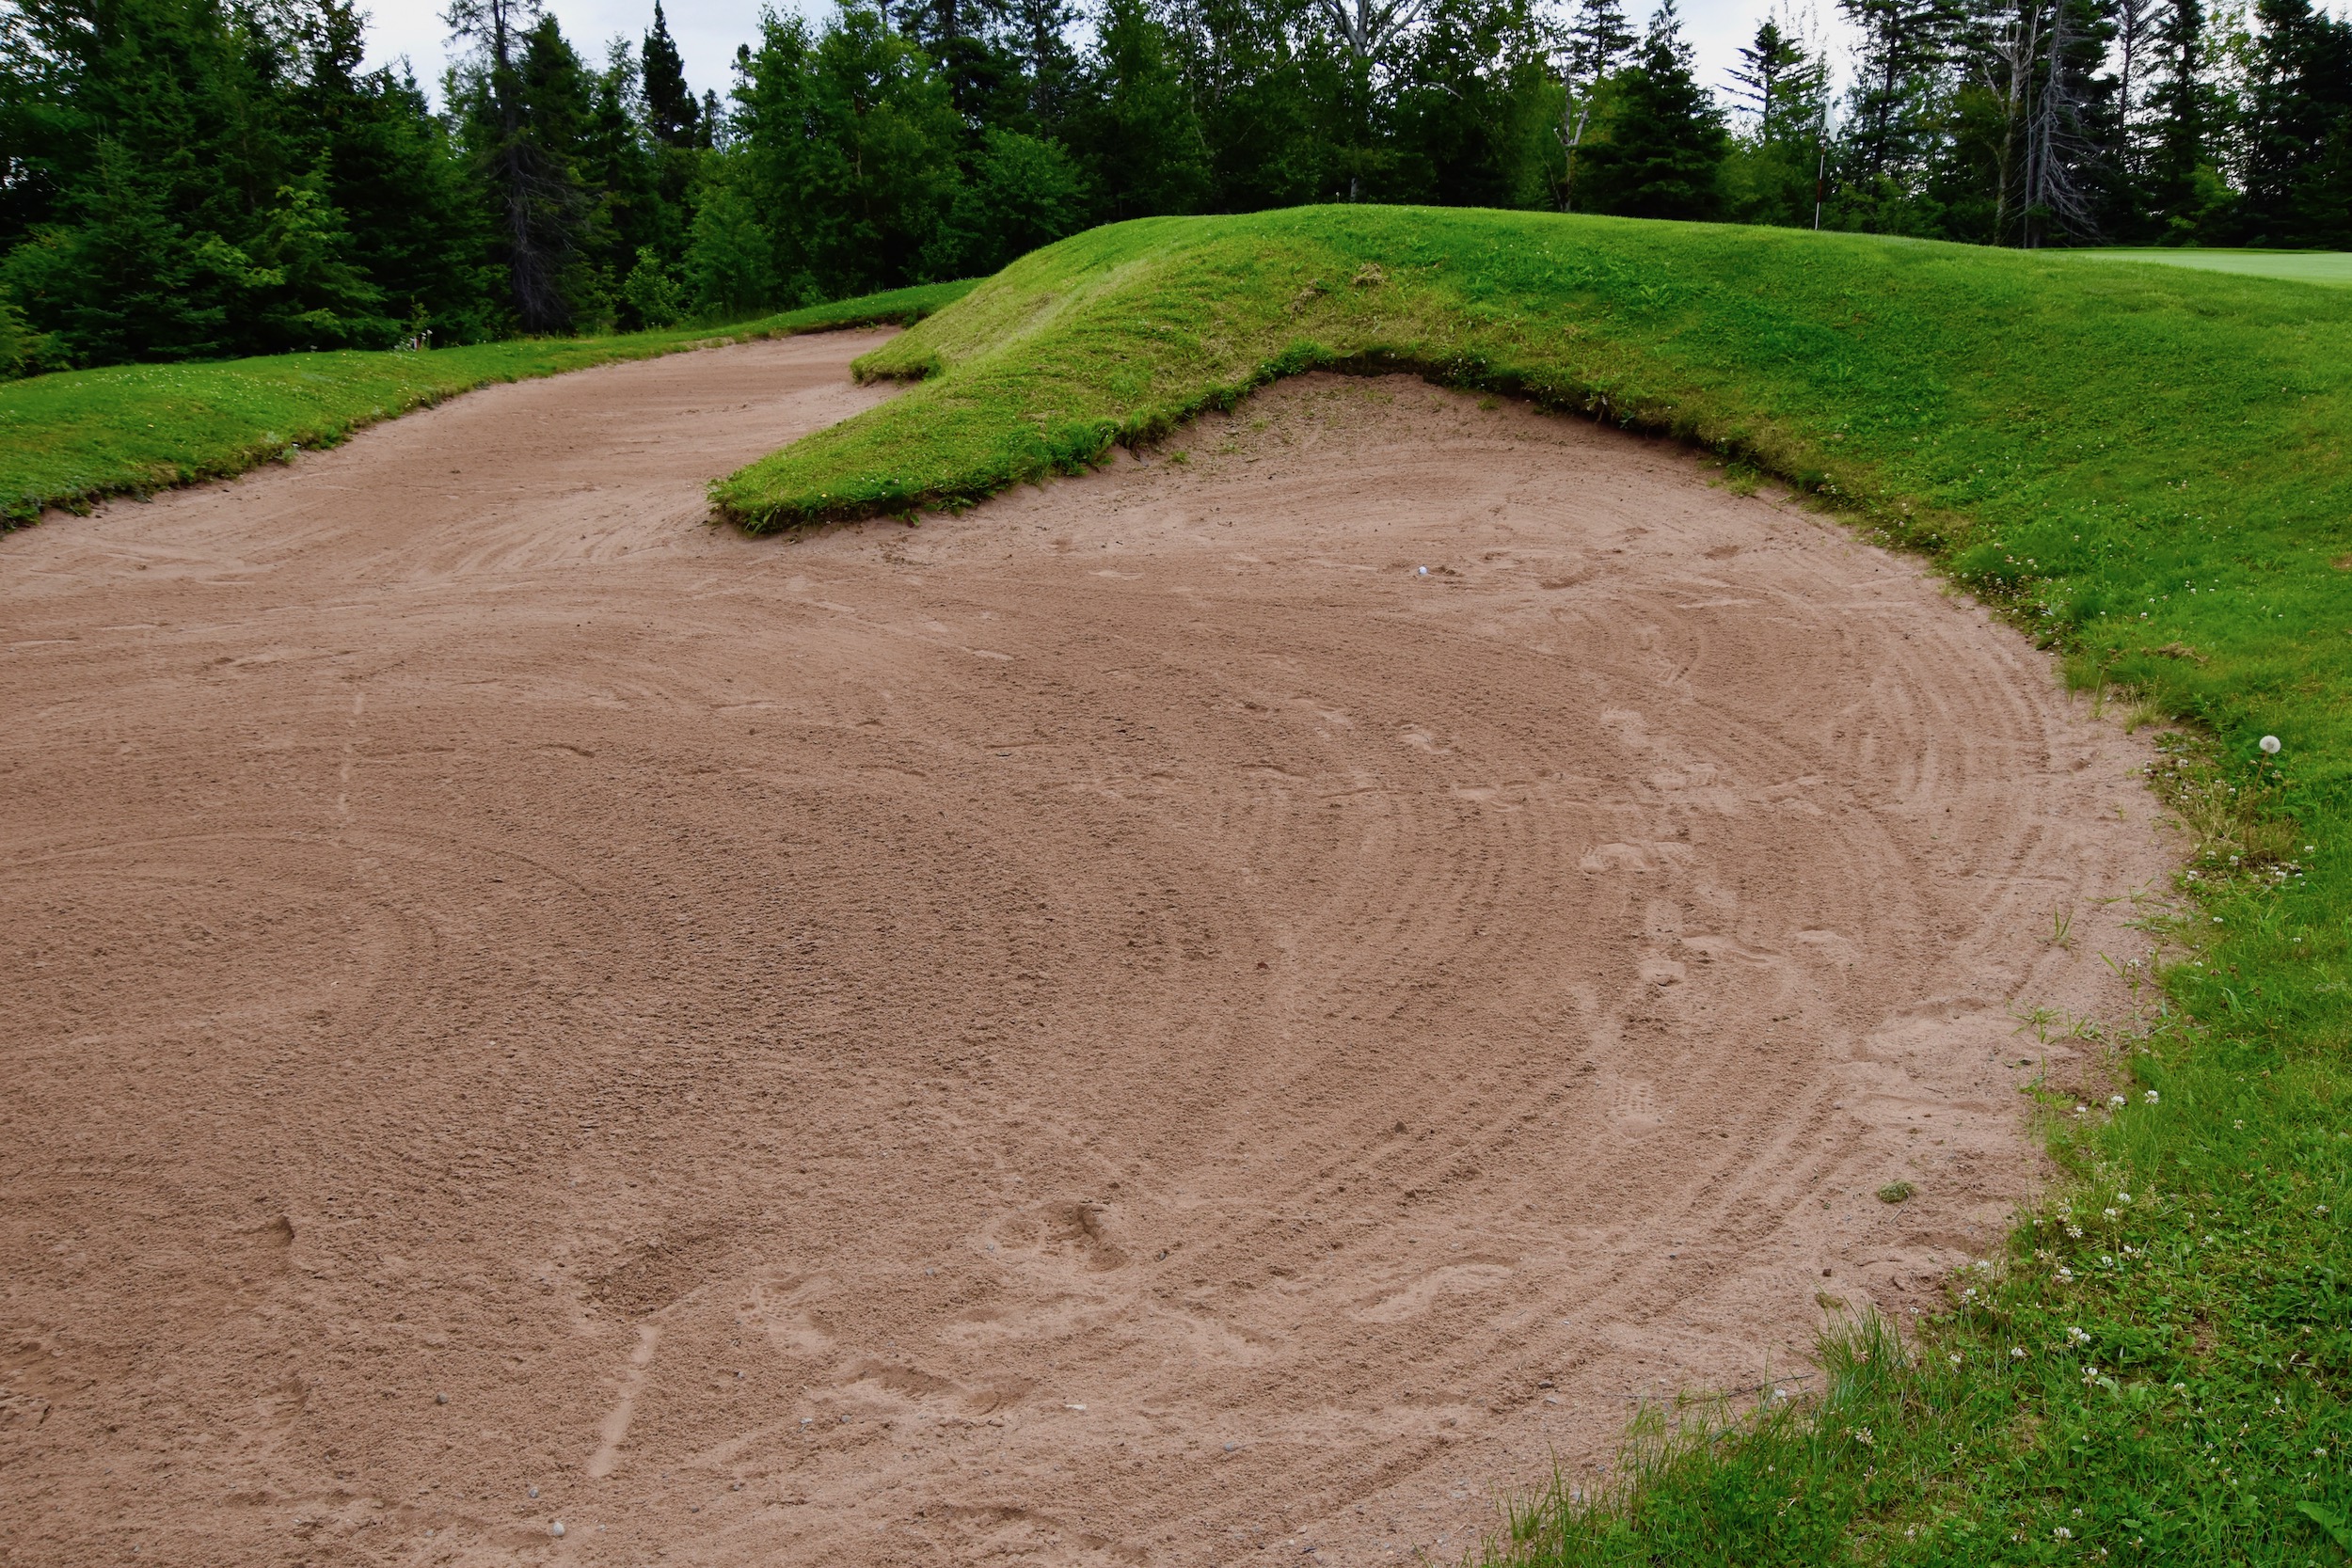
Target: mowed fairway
x=1132 y=1025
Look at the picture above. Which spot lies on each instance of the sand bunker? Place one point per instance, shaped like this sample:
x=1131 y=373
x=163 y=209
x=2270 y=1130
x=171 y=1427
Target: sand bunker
x=1132 y=1025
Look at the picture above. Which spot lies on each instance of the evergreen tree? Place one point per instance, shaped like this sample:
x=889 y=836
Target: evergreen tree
x=2179 y=103
x=1597 y=42
x=845 y=146
x=1254 y=99
x=1139 y=134
x=192 y=178
x=1766 y=78
x=672 y=115
x=1891 y=109
x=1775 y=164
x=388 y=167
x=1664 y=155
x=1474 y=105
x=1022 y=193
x=2298 y=129
x=528 y=184
x=1039 y=30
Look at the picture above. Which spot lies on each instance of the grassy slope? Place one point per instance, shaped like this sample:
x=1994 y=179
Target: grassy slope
x=2144 y=466
x=68 y=439
x=2302 y=266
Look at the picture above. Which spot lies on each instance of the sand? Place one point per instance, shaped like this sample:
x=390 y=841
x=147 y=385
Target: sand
x=1131 y=1025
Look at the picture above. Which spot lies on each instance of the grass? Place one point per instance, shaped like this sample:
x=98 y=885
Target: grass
x=2302 y=266
x=71 y=439
x=2149 y=469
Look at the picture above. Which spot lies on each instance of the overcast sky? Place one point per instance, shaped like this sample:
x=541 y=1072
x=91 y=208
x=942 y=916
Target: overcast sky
x=708 y=30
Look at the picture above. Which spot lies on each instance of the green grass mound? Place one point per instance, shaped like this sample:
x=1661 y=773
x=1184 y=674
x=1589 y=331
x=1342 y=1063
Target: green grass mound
x=2147 y=467
x=69 y=439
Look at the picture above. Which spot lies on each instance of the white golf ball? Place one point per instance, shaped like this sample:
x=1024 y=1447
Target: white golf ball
x=556 y=1529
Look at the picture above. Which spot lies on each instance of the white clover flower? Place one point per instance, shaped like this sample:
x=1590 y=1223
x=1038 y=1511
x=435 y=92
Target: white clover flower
x=2122 y=1197
x=2017 y=1353
x=2149 y=1097
x=2116 y=1100
x=2062 y=1532
x=2078 y=1336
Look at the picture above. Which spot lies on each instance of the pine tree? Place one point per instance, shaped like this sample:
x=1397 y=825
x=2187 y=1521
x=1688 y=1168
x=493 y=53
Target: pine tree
x=1899 y=52
x=2178 y=101
x=1767 y=77
x=1773 y=173
x=1664 y=155
x=1138 y=133
x=1048 y=65
x=388 y=167
x=671 y=113
x=843 y=149
x=1473 y=108
x=1251 y=71
x=533 y=200
x=1597 y=42
x=2298 y=129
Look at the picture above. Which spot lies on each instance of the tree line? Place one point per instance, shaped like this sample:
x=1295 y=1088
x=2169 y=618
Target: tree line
x=190 y=179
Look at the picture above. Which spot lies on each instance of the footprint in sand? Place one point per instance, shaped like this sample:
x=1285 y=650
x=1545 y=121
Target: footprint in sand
x=613 y=1430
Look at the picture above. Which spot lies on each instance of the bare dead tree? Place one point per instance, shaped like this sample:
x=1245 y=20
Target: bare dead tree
x=2012 y=58
x=1574 y=116
x=1367 y=27
x=2056 y=142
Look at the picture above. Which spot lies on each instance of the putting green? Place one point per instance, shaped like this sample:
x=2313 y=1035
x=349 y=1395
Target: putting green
x=2300 y=266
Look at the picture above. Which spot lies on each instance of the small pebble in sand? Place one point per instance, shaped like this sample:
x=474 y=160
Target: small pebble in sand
x=556 y=1529
x=531 y=1491
x=1230 y=1446
x=440 y=1399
